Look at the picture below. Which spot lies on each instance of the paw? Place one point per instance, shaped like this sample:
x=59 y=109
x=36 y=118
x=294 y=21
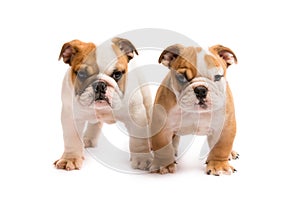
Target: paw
x=219 y=167
x=141 y=160
x=89 y=142
x=234 y=155
x=69 y=163
x=164 y=160
x=171 y=168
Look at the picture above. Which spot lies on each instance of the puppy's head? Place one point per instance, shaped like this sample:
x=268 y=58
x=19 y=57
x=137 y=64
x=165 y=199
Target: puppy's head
x=98 y=73
x=82 y=60
x=198 y=75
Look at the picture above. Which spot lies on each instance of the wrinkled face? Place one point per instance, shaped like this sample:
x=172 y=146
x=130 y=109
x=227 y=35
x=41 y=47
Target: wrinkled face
x=107 y=88
x=197 y=76
x=99 y=74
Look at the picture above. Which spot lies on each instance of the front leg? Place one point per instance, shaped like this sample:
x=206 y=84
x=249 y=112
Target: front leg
x=72 y=157
x=217 y=161
x=164 y=154
x=162 y=131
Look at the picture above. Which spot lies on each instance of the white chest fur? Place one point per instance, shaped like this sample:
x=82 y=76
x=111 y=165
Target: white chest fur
x=197 y=123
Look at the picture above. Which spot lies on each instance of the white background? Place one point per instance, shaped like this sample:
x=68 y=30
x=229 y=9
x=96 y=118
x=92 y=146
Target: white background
x=265 y=84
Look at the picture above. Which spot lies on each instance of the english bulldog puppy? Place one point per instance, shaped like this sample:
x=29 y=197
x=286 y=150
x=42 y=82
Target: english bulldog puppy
x=97 y=89
x=194 y=98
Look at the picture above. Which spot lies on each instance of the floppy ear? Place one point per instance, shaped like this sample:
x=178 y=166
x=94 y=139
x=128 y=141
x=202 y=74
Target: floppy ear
x=225 y=53
x=169 y=54
x=75 y=51
x=126 y=47
x=67 y=52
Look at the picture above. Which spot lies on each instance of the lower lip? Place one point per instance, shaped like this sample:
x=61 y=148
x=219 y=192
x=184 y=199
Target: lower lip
x=101 y=104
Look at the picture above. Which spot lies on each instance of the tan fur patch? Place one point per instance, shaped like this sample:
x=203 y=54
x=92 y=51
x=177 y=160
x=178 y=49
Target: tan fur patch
x=88 y=59
x=190 y=74
x=75 y=53
x=121 y=65
x=211 y=61
x=186 y=63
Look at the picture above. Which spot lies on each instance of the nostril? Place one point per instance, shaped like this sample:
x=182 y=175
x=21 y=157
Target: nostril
x=95 y=87
x=200 y=91
x=100 y=87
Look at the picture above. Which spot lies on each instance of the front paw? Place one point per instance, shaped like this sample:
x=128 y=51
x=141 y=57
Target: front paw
x=69 y=163
x=164 y=160
x=217 y=168
x=141 y=160
x=171 y=168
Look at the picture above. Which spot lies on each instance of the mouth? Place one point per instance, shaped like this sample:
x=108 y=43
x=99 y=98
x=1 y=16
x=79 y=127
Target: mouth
x=202 y=103
x=102 y=99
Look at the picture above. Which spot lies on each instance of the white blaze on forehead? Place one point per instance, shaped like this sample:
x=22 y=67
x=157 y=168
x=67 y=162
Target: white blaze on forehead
x=106 y=57
x=202 y=67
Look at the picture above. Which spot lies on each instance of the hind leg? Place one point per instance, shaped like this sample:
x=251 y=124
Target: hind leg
x=175 y=142
x=91 y=135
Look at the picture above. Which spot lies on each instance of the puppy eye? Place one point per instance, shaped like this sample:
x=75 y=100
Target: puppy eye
x=218 y=77
x=117 y=75
x=82 y=74
x=181 y=78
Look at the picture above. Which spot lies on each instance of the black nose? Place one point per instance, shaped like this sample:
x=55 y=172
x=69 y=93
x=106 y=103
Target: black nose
x=100 y=90
x=200 y=92
x=100 y=87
